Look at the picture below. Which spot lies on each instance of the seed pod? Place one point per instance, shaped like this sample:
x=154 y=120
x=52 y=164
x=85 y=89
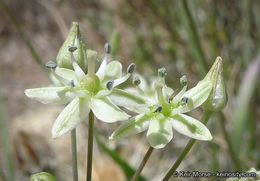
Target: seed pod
x=42 y=176
x=74 y=43
x=218 y=96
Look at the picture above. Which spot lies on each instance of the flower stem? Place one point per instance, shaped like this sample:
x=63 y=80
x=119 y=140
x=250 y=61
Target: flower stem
x=74 y=154
x=205 y=117
x=141 y=166
x=90 y=145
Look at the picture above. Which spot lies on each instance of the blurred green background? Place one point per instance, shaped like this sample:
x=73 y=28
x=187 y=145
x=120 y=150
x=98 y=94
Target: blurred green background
x=183 y=36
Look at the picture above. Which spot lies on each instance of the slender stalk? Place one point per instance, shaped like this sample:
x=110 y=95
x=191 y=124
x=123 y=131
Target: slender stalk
x=74 y=154
x=5 y=144
x=90 y=145
x=230 y=148
x=141 y=166
x=205 y=117
x=2 y=175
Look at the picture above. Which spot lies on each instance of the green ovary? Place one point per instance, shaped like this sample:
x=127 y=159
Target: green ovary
x=90 y=83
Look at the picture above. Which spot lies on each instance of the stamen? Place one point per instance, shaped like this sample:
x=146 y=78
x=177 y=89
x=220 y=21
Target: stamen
x=109 y=84
x=171 y=97
x=121 y=80
x=136 y=81
x=158 y=87
x=183 y=80
x=158 y=109
x=107 y=48
x=72 y=83
x=184 y=101
x=80 y=73
x=51 y=64
x=92 y=57
x=131 y=68
x=162 y=72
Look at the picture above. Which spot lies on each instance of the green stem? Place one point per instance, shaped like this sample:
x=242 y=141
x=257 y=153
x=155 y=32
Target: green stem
x=90 y=145
x=230 y=148
x=74 y=154
x=205 y=117
x=141 y=166
x=5 y=144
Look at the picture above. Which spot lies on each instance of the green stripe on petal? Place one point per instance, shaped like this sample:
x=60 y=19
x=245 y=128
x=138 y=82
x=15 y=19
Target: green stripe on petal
x=159 y=133
x=132 y=126
x=196 y=96
x=67 y=74
x=75 y=112
x=50 y=95
x=190 y=127
x=126 y=99
x=106 y=111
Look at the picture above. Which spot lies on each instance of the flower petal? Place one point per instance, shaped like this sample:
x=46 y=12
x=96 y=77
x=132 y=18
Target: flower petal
x=50 y=95
x=159 y=133
x=113 y=71
x=75 y=112
x=196 y=96
x=132 y=126
x=67 y=74
x=106 y=111
x=101 y=70
x=190 y=127
x=125 y=99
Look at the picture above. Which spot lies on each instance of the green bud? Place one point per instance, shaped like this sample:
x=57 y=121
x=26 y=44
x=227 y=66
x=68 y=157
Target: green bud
x=162 y=72
x=74 y=43
x=218 y=96
x=42 y=176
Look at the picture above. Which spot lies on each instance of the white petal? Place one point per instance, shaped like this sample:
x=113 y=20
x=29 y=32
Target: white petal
x=70 y=117
x=106 y=111
x=101 y=70
x=113 y=71
x=121 y=80
x=67 y=74
x=132 y=126
x=196 y=96
x=178 y=97
x=159 y=133
x=190 y=127
x=126 y=99
x=50 y=95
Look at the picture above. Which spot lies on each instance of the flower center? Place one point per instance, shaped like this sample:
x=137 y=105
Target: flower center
x=91 y=83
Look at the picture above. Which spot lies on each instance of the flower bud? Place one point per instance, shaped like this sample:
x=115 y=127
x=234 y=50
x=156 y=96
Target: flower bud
x=42 y=176
x=162 y=72
x=136 y=81
x=218 y=96
x=74 y=43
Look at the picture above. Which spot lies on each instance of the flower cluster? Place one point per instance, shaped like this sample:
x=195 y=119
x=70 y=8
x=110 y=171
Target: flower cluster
x=158 y=107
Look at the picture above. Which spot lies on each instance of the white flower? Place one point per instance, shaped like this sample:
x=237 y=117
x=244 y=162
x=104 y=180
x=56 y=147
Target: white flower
x=85 y=92
x=164 y=111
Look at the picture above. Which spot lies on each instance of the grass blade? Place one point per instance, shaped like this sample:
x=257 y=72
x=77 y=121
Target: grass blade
x=4 y=138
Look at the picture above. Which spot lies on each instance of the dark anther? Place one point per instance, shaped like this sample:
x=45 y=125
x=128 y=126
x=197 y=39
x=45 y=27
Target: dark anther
x=158 y=109
x=72 y=48
x=184 y=100
x=131 y=68
x=51 y=64
x=107 y=48
x=109 y=84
